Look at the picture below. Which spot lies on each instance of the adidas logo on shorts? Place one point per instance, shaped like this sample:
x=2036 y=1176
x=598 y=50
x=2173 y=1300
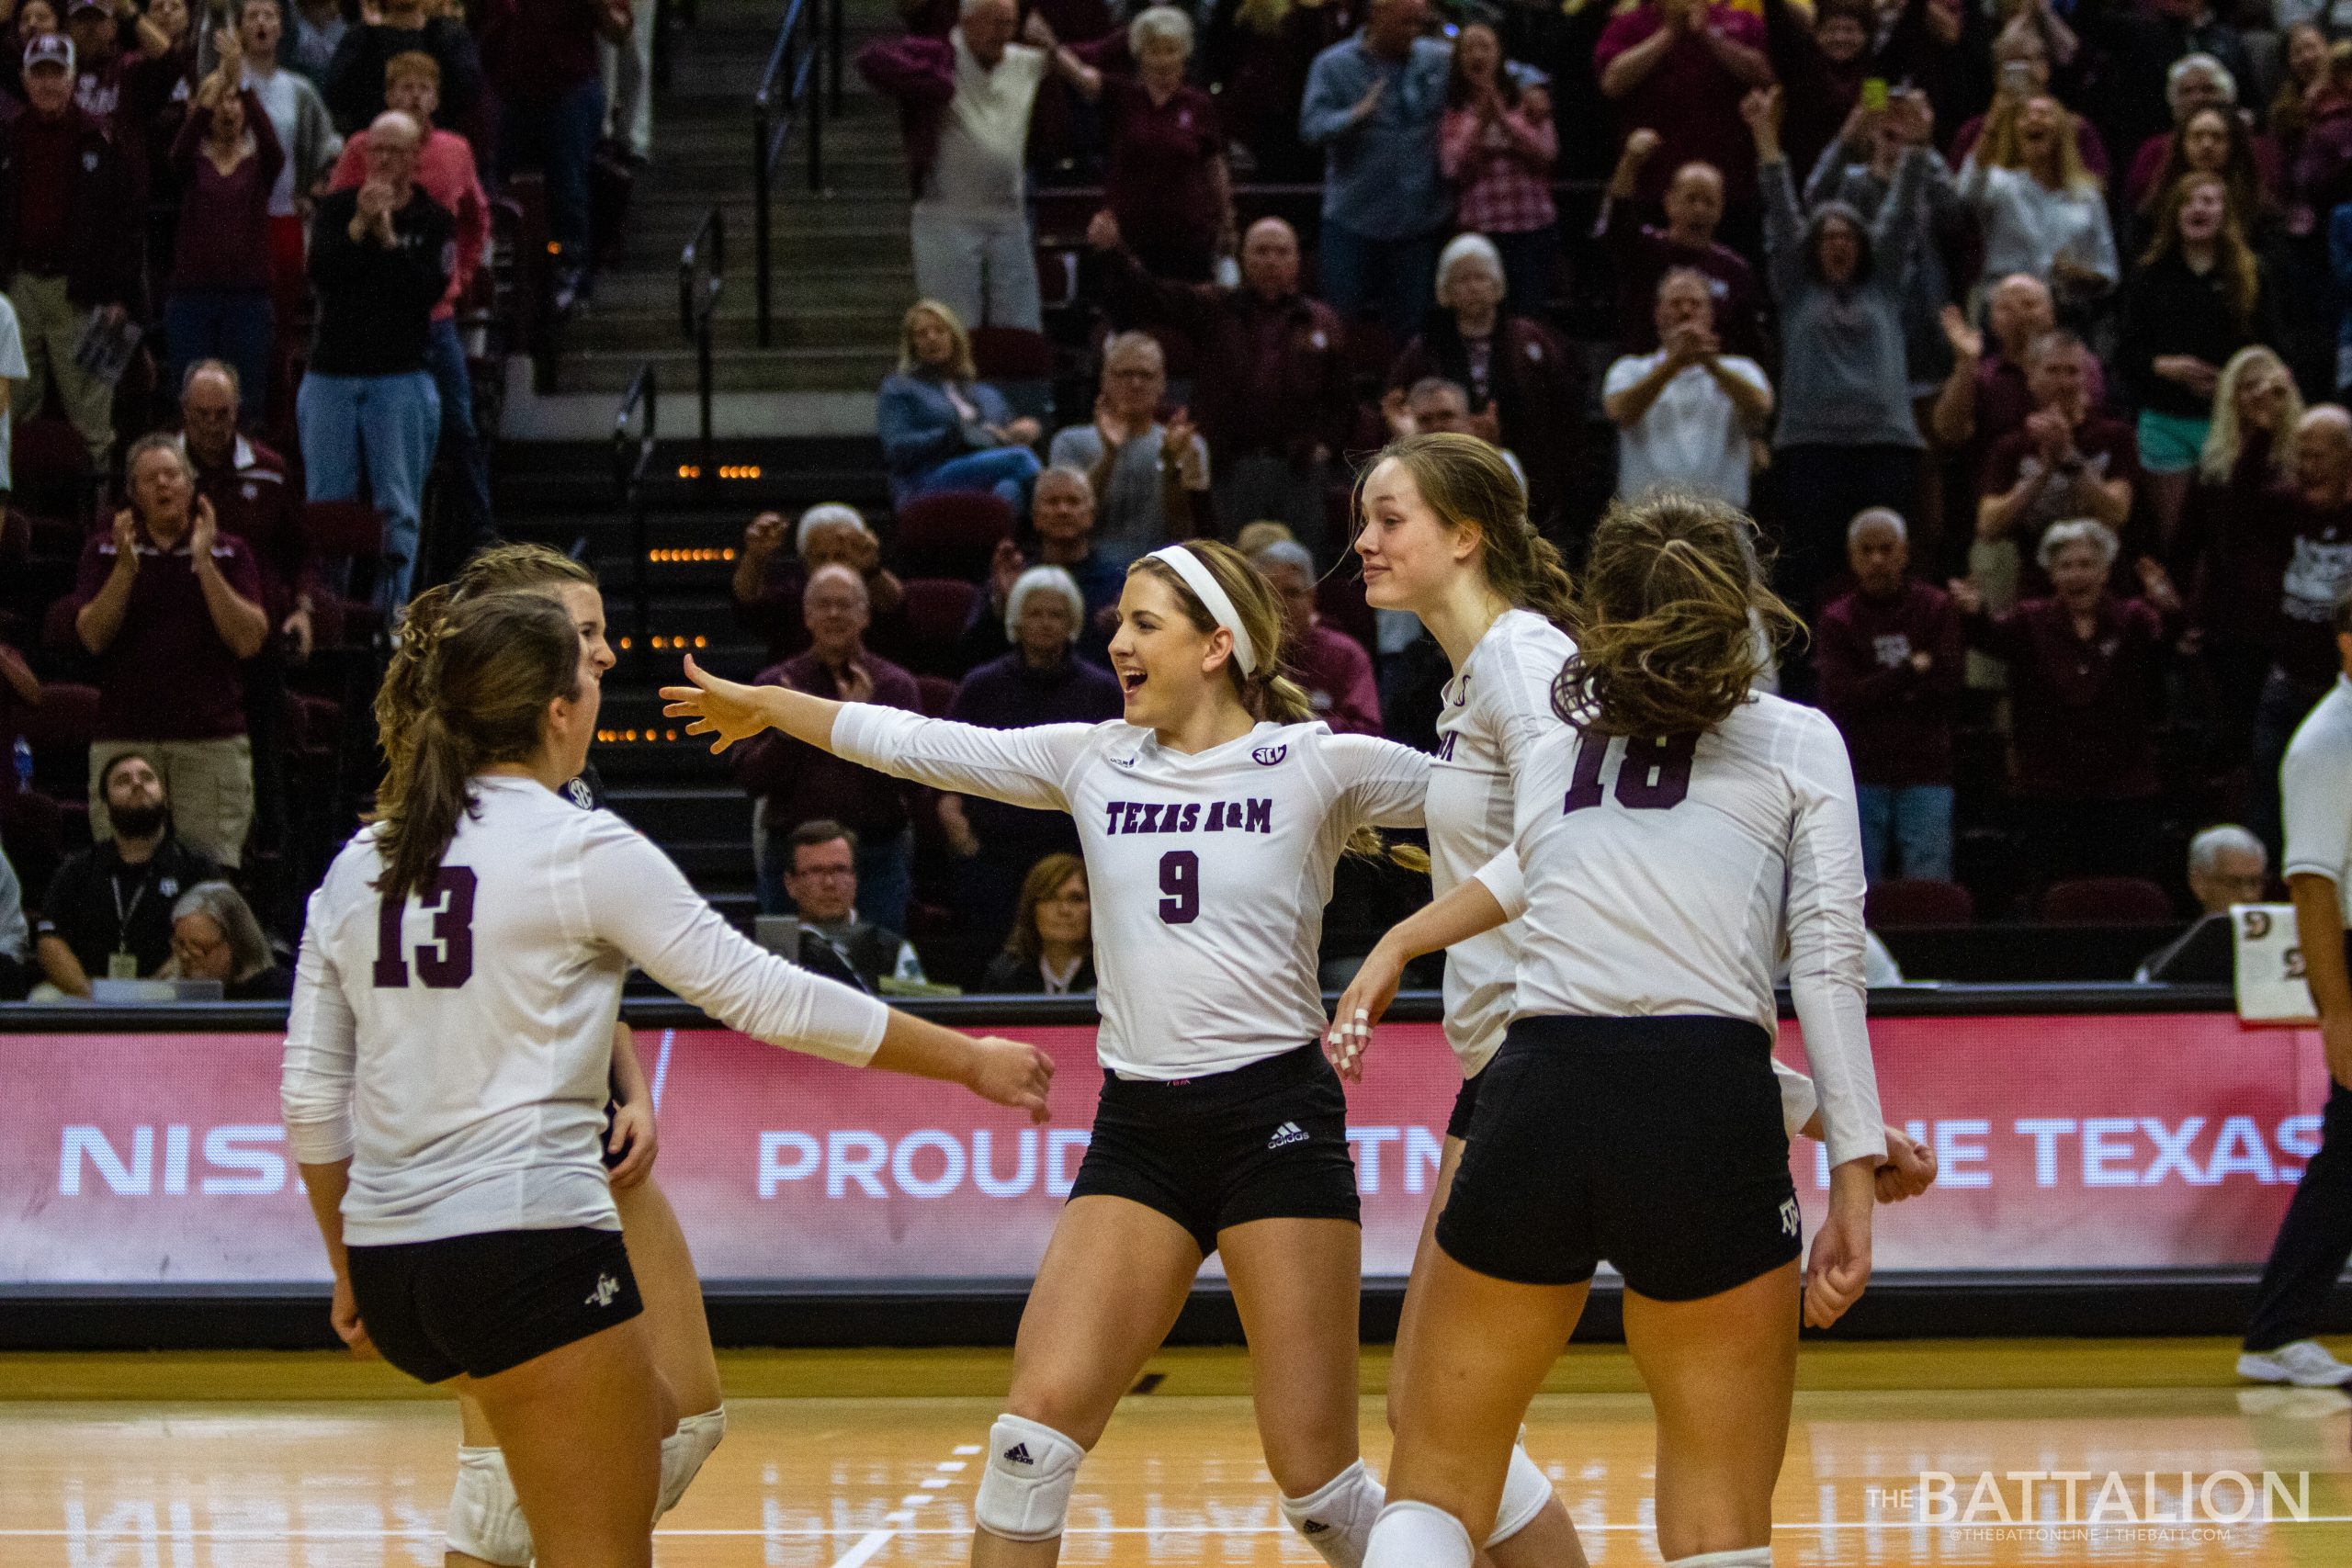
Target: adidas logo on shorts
x=606 y=1289
x=1789 y=1223
x=1285 y=1136
x=1018 y=1454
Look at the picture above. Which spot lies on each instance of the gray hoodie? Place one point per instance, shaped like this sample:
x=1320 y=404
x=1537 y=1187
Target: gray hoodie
x=1845 y=379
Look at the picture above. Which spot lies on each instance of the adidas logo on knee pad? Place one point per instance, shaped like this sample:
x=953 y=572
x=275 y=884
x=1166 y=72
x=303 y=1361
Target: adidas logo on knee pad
x=1018 y=1454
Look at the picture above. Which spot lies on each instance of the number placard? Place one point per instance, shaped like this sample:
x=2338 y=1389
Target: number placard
x=2270 y=956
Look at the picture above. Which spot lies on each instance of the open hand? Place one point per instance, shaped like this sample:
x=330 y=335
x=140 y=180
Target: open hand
x=204 y=531
x=727 y=710
x=1361 y=1005
x=1965 y=340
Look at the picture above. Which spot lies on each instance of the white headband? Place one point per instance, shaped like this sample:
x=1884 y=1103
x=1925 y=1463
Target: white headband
x=1204 y=584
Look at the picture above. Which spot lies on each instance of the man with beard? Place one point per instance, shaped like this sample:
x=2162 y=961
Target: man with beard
x=109 y=910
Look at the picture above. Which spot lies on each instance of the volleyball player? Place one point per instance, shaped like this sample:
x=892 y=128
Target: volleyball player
x=1443 y=533
x=2316 y=1238
x=447 y=1058
x=1672 y=835
x=485 y=1519
x=1212 y=816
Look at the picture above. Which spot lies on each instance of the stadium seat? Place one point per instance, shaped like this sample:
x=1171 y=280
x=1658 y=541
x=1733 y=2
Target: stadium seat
x=937 y=610
x=1917 y=901
x=2106 y=901
x=952 y=534
x=1012 y=353
x=353 y=531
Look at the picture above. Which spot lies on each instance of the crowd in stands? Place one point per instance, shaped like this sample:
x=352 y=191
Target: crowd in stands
x=240 y=244
x=2015 y=323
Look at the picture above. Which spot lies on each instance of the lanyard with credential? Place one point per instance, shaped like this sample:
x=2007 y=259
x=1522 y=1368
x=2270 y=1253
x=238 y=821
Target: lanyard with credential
x=122 y=963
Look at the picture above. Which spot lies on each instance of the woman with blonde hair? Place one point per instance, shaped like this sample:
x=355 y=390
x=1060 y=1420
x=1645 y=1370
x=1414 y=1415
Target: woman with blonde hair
x=2227 y=555
x=1051 y=949
x=463 y=962
x=1670 y=831
x=2043 y=213
x=1212 y=815
x=941 y=427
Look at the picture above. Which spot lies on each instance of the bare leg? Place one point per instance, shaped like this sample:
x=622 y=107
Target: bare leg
x=672 y=1291
x=1114 y=1277
x=581 y=1430
x=1481 y=1347
x=1722 y=1371
x=1296 y=1284
x=1549 y=1540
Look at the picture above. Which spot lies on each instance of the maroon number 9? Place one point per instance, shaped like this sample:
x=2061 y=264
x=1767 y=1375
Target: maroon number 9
x=1180 y=882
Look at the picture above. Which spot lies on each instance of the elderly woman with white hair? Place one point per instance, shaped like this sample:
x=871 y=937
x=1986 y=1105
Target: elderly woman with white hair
x=216 y=937
x=769 y=579
x=1042 y=681
x=1519 y=376
x=1166 y=179
x=2085 y=684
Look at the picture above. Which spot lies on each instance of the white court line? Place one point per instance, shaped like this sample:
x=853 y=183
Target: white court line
x=1809 y=1528
x=868 y=1545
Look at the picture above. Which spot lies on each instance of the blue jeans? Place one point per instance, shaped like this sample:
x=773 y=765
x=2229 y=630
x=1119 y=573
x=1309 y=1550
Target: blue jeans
x=1915 y=821
x=234 y=324
x=1392 y=278
x=1010 y=472
x=394 y=420
x=885 y=876
x=559 y=138
x=444 y=359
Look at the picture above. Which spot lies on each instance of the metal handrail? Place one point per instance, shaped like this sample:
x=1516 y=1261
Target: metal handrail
x=793 y=74
x=702 y=278
x=628 y=482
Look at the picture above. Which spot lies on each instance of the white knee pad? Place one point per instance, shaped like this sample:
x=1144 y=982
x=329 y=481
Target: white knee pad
x=1415 y=1535
x=1526 y=1490
x=1337 y=1517
x=1031 y=1470
x=682 y=1452
x=1746 y=1557
x=485 y=1516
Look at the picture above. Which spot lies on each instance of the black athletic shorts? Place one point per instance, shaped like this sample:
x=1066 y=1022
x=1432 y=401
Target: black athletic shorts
x=1465 y=1105
x=1654 y=1142
x=480 y=1304
x=1264 y=1142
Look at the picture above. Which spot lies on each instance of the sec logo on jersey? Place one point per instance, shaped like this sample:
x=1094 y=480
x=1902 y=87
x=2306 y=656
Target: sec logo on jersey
x=1267 y=756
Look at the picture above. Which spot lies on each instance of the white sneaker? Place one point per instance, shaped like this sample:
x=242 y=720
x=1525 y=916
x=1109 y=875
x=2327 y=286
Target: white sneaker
x=2305 y=1363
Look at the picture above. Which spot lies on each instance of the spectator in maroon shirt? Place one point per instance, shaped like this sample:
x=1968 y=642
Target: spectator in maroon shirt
x=1985 y=395
x=1525 y=386
x=1888 y=655
x=253 y=500
x=2068 y=460
x=170 y=608
x=2311 y=521
x=1679 y=68
x=2021 y=63
x=70 y=240
x=1166 y=182
x=227 y=157
x=770 y=579
x=2228 y=551
x=2086 y=671
x=1271 y=387
x=1330 y=667
x=792 y=783
x=540 y=56
x=1644 y=255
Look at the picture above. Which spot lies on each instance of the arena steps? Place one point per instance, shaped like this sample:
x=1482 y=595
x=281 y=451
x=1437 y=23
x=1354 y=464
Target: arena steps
x=841 y=272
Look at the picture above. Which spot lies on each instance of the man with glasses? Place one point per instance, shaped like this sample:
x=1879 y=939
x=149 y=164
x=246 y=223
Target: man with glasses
x=821 y=876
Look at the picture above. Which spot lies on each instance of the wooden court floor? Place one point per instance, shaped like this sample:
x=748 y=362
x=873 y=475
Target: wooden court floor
x=843 y=1460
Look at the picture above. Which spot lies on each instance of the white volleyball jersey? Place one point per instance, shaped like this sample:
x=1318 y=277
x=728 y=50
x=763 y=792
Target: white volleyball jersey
x=1495 y=709
x=456 y=1046
x=2315 y=794
x=1668 y=878
x=1209 y=871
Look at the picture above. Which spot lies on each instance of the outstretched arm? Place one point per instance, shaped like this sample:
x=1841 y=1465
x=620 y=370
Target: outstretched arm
x=1471 y=910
